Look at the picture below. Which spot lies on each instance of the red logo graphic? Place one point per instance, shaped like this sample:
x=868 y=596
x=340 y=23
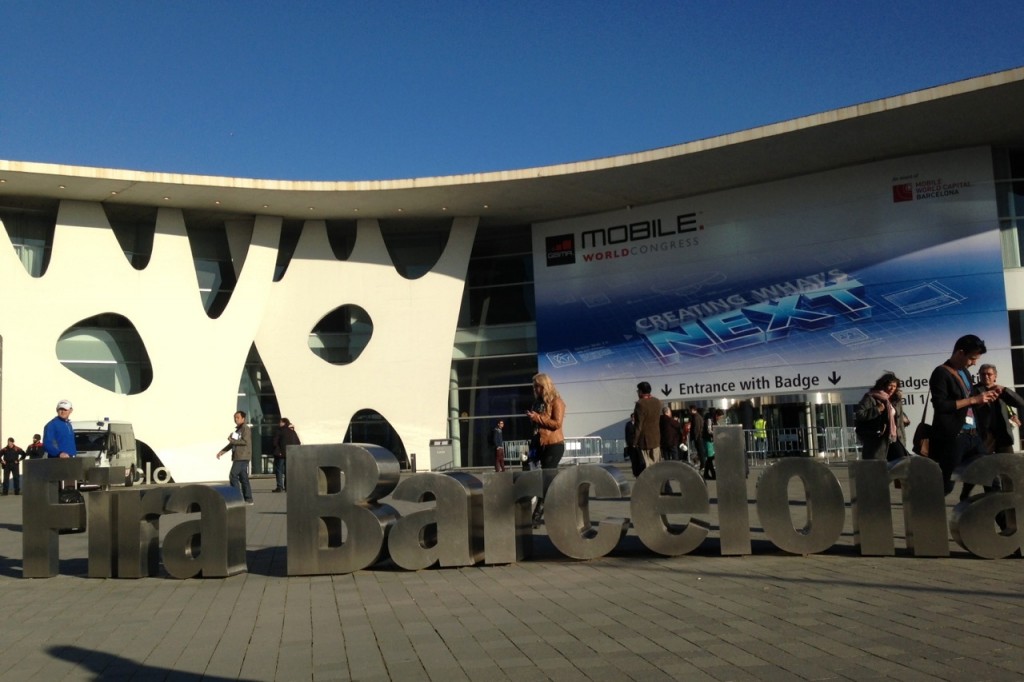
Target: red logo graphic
x=903 y=192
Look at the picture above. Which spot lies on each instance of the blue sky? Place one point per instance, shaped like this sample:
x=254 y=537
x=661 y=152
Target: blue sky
x=373 y=90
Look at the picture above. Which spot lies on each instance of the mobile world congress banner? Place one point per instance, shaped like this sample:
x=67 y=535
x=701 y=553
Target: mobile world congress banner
x=815 y=283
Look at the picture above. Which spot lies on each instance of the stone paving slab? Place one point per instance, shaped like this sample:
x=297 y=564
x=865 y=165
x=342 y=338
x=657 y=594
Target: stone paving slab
x=631 y=615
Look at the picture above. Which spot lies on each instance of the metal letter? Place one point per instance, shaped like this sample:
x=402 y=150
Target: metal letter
x=42 y=515
x=826 y=510
x=104 y=477
x=974 y=520
x=138 y=514
x=653 y=500
x=508 y=503
x=733 y=509
x=567 y=510
x=212 y=546
x=872 y=511
x=102 y=533
x=924 y=505
x=449 y=533
x=124 y=533
x=334 y=522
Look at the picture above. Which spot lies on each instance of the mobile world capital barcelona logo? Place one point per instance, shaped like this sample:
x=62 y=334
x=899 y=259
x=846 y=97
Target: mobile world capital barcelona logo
x=561 y=249
x=919 y=190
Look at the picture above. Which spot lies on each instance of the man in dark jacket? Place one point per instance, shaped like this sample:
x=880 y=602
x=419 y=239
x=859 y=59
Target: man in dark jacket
x=995 y=422
x=671 y=434
x=36 y=450
x=697 y=436
x=12 y=456
x=285 y=436
x=498 y=443
x=636 y=462
x=954 y=437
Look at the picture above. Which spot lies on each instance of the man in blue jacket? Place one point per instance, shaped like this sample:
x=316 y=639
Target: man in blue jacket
x=58 y=434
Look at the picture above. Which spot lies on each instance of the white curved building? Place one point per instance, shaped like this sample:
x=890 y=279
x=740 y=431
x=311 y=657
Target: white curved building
x=779 y=269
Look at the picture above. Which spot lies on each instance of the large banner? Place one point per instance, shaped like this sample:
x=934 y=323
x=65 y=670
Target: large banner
x=810 y=284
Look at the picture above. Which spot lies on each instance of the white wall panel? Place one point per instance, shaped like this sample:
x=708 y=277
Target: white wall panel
x=185 y=414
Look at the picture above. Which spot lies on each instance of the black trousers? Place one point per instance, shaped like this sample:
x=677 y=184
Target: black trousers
x=951 y=452
x=551 y=455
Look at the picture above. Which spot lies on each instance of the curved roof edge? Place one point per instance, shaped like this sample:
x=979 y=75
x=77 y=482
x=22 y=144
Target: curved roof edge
x=980 y=110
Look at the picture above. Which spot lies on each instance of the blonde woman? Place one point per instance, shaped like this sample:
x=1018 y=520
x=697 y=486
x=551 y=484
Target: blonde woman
x=547 y=415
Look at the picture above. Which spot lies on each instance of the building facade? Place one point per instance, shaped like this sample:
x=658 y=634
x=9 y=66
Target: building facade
x=775 y=271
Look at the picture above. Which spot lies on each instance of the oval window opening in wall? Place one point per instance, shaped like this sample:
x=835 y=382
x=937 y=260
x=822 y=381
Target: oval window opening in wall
x=106 y=350
x=341 y=335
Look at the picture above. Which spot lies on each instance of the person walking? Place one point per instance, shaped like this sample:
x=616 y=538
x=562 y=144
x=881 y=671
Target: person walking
x=547 y=415
x=648 y=424
x=240 y=447
x=876 y=419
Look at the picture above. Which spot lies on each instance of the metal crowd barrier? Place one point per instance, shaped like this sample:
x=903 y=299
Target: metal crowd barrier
x=581 y=450
x=830 y=443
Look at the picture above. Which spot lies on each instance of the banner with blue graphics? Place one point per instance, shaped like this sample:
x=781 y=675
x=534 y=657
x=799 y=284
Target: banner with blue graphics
x=816 y=283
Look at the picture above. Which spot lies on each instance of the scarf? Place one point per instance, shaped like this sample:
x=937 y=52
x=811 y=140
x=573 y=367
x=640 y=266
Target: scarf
x=884 y=398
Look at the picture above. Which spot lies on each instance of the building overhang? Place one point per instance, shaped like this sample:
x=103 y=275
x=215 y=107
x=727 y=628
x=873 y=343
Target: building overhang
x=979 y=111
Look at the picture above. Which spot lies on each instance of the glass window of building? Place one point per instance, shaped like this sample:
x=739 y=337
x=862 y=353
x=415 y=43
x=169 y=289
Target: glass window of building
x=214 y=262
x=495 y=353
x=30 y=224
x=415 y=246
x=134 y=227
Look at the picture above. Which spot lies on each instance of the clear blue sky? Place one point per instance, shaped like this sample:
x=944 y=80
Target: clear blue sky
x=372 y=90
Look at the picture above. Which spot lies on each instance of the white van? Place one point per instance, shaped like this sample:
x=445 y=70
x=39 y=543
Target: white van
x=111 y=443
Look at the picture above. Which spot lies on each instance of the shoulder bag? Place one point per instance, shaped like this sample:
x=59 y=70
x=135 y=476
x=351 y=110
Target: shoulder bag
x=923 y=432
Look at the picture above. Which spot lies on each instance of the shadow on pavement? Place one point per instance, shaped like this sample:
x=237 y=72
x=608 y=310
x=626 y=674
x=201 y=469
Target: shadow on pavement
x=109 y=666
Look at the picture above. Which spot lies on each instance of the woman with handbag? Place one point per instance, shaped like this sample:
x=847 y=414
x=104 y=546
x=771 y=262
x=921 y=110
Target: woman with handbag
x=879 y=422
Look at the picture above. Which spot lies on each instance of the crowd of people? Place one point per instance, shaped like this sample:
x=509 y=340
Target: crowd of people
x=654 y=433
x=970 y=419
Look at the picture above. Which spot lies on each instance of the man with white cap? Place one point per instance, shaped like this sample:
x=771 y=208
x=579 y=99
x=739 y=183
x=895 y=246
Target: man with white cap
x=58 y=434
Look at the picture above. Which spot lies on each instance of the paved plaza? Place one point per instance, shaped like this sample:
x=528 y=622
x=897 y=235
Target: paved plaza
x=632 y=615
